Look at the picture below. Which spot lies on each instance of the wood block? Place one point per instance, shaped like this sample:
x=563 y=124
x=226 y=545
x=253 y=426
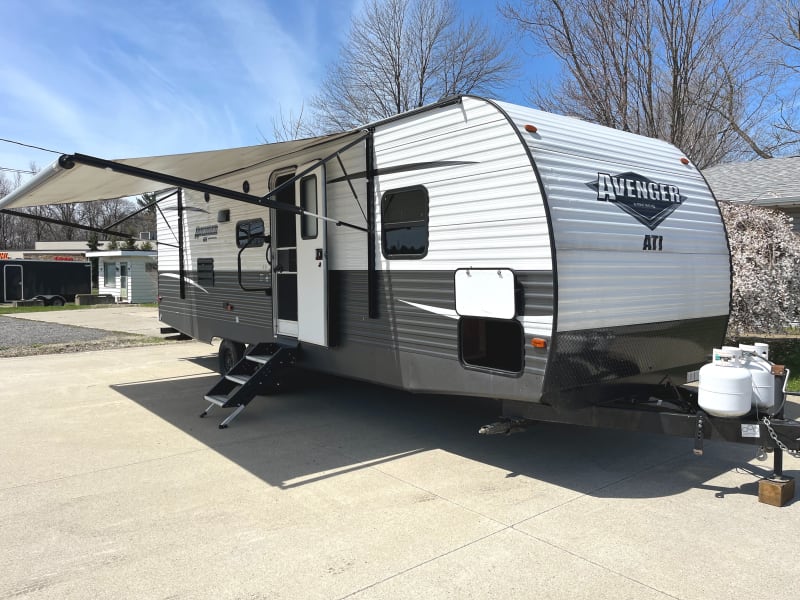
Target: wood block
x=776 y=493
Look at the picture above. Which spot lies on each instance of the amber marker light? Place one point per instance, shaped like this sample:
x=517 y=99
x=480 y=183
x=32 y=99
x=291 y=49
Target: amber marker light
x=531 y=128
x=539 y=343
x=684 y=161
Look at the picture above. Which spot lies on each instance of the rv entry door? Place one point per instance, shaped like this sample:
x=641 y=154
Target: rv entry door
x=312 y=259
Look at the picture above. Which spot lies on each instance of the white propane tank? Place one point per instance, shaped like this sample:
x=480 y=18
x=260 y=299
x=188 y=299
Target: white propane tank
x=755 y=361
x=725 y=389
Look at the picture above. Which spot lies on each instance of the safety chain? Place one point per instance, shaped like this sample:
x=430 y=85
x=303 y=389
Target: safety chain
x=774 y=436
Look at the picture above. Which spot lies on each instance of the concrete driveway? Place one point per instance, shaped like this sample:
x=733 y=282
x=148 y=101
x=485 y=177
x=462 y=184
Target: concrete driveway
x=112 y=487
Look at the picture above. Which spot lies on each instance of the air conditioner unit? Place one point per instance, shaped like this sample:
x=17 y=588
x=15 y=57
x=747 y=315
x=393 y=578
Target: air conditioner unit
x=146 y=235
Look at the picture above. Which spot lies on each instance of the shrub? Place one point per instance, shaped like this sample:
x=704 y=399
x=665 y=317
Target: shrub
x=765 y=254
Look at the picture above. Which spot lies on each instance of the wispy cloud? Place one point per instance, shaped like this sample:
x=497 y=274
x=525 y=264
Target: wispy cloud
x=125 y=79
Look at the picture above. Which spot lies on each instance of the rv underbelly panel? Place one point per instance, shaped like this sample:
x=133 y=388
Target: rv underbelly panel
x=634 y=353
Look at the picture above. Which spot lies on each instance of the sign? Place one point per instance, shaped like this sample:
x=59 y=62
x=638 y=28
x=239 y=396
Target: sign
x=647 y=201
x=3 y=255
x=205 y=232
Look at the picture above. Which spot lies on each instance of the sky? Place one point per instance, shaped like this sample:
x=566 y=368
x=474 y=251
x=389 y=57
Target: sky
x=126 y=78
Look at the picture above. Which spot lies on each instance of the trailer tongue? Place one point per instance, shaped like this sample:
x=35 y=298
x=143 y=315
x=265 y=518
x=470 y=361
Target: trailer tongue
x=739 y=397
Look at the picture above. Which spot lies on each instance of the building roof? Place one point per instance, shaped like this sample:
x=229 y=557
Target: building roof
x=143 y=253
x=765 y=182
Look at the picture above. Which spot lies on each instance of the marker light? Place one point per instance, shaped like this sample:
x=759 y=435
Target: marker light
x=684 y=161
x=531 y=128
x=539 y=343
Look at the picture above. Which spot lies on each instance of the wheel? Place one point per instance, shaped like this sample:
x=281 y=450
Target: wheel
x=230 y=353
x=57 y=302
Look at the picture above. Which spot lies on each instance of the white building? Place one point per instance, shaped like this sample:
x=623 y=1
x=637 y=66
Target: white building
x=128 y=275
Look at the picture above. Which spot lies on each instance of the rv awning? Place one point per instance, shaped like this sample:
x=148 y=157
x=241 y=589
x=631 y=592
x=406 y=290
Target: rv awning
x=82 y=183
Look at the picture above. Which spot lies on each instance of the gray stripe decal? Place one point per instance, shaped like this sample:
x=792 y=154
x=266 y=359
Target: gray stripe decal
x=186 y=279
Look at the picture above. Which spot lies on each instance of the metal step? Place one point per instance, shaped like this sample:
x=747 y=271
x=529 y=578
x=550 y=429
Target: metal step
x=218 y=400
x=243 y=382
x=260 y=358
x=239 y=379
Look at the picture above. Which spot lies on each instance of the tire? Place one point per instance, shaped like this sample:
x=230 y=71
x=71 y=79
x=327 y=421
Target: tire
x=58 y=301
x=230 y=353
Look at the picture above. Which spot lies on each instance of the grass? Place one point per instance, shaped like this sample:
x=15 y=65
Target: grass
x=783 y=350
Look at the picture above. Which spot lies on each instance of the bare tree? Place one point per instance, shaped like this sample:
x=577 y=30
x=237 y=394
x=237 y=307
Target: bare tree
x=18 y=232
x=696 y=73
x=787 y=35
x=290 y=126
x=402 y=54
x=7 y=222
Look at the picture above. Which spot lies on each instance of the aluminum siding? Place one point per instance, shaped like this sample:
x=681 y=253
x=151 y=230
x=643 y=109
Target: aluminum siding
x=485 y=210
x=485 y=206
x=605 y=278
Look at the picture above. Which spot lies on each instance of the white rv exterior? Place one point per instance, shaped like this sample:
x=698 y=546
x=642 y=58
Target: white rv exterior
x=612 y=297
x=510 y=253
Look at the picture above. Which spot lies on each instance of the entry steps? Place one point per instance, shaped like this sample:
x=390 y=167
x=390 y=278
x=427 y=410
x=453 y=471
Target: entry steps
x=256 y=370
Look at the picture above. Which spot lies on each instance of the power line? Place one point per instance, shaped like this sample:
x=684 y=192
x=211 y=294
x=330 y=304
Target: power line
x=10 y=170
x=31 y=146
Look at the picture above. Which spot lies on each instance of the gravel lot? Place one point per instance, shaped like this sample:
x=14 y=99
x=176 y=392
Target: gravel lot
x=24 y=332
x=26 y=337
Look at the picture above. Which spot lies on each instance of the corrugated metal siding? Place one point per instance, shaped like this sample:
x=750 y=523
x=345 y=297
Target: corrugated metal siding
x=249 y=321
x=485 y=206
x=605 y=278
x=204 y=304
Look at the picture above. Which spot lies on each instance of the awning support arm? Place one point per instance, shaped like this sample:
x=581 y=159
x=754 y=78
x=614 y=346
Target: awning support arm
x=141 y=210
x=67 y=161
x=350 y=183
x=14 y=213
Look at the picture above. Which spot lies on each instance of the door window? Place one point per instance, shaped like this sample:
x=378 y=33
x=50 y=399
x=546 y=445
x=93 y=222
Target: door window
x=308 y=202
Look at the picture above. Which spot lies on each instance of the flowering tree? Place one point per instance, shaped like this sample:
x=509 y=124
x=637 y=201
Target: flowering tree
x=765 y=253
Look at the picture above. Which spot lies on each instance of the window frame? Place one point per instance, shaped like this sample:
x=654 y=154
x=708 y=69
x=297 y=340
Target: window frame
x=305 y=220
x=426 y=222
x=258 y=243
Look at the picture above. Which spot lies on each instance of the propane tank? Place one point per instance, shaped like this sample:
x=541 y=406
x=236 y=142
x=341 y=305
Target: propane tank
x=725 y=388
x=755 y=360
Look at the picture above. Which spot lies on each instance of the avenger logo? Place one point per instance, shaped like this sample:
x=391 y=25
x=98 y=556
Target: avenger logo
x=647 y=201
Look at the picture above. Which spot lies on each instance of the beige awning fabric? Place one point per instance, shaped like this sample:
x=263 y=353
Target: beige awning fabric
x=82 y=183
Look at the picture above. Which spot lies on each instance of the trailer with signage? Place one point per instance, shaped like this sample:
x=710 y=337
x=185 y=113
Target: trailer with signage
x=54 y=282
x=575 y=273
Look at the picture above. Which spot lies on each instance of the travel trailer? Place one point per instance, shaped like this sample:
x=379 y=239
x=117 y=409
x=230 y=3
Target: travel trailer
x=55 y=282
x=575 y=273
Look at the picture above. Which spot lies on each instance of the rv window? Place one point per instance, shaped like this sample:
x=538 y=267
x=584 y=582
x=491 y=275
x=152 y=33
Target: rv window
x=493 y=344
x=404 y=223
x=308 y=201
x=205 y=271
x=250 y=234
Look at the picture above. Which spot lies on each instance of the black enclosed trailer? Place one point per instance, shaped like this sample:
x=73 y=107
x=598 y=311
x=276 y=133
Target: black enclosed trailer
x=53 y=281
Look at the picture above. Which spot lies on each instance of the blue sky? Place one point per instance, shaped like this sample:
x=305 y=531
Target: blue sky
x=118 y=78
